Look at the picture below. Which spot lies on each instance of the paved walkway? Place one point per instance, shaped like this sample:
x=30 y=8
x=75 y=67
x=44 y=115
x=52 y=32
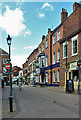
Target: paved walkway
x=5 y=100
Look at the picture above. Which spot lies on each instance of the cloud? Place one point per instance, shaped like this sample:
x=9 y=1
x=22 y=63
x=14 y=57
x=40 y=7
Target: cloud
x=41 y=15
x=47 y=5
x=28 y=32
x=12 y=21
x=30 y=47
x=12 y=48
x=18 y=60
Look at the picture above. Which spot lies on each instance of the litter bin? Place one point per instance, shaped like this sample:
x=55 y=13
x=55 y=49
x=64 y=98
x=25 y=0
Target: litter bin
x=70 y=86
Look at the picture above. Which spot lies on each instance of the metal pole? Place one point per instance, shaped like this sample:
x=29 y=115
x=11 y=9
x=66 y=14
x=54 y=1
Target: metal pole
x=10 y=97
x=66 y=67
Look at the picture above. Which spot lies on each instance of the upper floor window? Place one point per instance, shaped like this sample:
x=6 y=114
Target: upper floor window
x=65 y=46
x=42 y=61
x=58 y=55
x=58 y=35
x=46 y=60
x=75 y=45
x=33 y=67
x=53 y=39
x=42 y=47
x=46 y=43
x=53 y=58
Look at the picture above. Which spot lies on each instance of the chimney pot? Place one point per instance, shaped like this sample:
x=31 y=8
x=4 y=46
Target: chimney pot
x=43 y=36
x=75 y=5
x=64 y=14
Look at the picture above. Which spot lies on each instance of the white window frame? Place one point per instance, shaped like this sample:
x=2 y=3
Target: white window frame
x=58 y=56
x=42 y=47
x=46 y=43
x=53 y=58
x=53 y=39
x=73 y=39
x=58 y=35
x=54 y=76
x=43 y=60
x=46 y=77
x=58 y=76
x=46 y=61
x=63 y=50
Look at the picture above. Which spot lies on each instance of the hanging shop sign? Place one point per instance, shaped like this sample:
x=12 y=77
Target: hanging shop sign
x=73 y=66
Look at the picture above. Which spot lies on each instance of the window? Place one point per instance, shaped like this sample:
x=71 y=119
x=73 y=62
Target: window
x=42 y=61
x=53 y=58
x=75 y=45
x=42 y=47
x=46 y=43
x=54 y=76
x=64 y=50
x=39 y=50
x=46 y=60
x=58 y=35
x=53 y=39
x=46 y=77
x=33 y=67
x=58 y=75
x=28 y=68
x=58 y=55
x=4 y=61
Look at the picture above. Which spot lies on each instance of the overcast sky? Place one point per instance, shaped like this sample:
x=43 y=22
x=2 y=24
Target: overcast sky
x=26 y=22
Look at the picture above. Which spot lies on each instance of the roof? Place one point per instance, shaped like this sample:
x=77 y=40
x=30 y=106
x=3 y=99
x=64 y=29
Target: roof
x=3 y=52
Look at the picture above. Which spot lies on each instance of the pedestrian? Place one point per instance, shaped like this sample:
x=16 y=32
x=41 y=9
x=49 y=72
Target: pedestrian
x=20 y=86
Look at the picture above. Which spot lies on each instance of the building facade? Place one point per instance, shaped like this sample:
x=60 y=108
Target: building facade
x=49 y=58
x=72 y=34
x=3 y=57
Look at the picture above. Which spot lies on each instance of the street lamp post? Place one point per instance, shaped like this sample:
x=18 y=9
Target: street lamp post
x=66 y=44
x=10 y=97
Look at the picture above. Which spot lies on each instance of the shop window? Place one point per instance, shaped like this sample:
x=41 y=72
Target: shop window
x=58 y=75
x=54 y=76
x=46 y=77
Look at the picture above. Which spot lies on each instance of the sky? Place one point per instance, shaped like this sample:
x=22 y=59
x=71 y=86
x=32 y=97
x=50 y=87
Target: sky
x=26 y=22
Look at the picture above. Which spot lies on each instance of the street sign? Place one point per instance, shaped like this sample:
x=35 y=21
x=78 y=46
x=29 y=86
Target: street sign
x=79 y=63
x=8 y=66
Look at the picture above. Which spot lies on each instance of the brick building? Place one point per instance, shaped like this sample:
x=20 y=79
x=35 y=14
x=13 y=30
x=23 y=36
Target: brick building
x=50 y=55
x=3 y=57
x=72 y=33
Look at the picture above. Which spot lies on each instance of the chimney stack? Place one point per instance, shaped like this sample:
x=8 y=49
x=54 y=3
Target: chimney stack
x=64 y=14
x=75 y=5
x=43 y=36
x=49 y=30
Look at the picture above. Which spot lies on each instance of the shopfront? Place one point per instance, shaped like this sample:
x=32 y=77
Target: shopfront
x=74 y=74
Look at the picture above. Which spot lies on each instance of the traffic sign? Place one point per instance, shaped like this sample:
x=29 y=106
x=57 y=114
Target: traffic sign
x=79 y=63
x=8 y=66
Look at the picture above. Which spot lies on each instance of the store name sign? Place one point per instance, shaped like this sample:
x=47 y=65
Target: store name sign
x=73 y=66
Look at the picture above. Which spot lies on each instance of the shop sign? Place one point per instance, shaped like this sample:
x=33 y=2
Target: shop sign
x=73 y=66
x=79 y=63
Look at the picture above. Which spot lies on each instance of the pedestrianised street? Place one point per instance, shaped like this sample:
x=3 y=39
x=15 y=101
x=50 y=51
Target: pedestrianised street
x=41 y=102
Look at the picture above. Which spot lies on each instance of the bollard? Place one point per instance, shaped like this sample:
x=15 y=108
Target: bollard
x=11 y=103
x=78 y=89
